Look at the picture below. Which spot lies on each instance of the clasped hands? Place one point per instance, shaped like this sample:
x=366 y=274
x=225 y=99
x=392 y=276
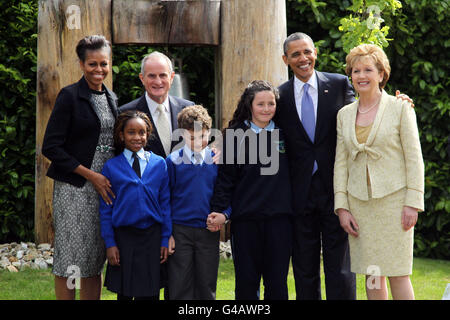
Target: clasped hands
x=215 y=221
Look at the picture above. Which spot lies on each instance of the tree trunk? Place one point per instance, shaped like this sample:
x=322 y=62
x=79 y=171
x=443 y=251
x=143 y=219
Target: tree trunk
x=252 y=36
x=193 y=22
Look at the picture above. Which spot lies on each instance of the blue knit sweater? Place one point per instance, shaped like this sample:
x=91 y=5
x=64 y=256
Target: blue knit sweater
x=139 y=202
x=191 y=188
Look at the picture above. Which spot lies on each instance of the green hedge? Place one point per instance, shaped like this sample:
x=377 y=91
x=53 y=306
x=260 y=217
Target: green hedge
x=17 y=118
x=418 y=57
x=420 y=68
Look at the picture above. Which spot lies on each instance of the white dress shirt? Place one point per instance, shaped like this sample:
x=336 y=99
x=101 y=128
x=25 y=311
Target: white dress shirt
x=313 y=92
x=152 y=106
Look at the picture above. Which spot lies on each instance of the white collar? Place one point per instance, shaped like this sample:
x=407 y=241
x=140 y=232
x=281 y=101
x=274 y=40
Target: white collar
x=312 y=82
x=153 y=105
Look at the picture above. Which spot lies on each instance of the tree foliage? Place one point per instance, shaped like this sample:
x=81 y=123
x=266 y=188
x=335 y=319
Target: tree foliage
x=364 y=23
x=17 y=118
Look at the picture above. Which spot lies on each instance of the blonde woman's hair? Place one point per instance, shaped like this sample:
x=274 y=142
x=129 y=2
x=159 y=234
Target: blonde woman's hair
x=364 y=51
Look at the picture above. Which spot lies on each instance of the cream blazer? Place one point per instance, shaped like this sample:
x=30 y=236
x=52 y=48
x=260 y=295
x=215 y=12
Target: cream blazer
x=391 y=155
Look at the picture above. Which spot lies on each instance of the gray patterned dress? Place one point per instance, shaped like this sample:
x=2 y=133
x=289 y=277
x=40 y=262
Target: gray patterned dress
x=79 y=247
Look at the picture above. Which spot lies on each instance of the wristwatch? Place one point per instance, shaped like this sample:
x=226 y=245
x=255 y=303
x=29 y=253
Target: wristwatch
x=226 y=217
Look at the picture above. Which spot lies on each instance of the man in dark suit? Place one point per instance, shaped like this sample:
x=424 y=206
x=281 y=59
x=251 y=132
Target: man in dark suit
x=157 y=77
x=307 y=112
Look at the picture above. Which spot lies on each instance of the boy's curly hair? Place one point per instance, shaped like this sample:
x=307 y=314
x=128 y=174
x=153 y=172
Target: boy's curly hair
x=194 y=114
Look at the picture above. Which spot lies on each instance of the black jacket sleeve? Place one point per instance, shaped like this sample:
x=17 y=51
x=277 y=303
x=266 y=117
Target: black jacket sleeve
x=57 y=131
x=227 y=177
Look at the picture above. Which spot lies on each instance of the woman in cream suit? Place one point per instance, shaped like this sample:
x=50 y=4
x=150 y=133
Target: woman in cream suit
x=378 y=177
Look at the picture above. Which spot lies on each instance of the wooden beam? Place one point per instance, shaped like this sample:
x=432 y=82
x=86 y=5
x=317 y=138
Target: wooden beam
x=252 y=36
x=61 y=24
x=193 y=22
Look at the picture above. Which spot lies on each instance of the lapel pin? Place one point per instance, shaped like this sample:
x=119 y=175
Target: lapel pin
x=326 y=91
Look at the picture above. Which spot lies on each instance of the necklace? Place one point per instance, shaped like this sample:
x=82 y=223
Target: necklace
x=370 y=108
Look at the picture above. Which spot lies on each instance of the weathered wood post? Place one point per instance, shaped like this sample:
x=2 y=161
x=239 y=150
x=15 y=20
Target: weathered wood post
x=166 y=22
x=61 y=24
x=252 y=35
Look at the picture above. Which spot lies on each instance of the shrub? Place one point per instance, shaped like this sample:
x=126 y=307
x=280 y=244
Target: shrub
x=17 y=119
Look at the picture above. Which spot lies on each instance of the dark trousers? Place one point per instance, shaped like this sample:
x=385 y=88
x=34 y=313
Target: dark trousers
x=315 y=228
x=193 y=268
x=261 y=248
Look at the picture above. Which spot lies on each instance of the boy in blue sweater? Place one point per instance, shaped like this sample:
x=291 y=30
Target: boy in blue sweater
x=193 y=267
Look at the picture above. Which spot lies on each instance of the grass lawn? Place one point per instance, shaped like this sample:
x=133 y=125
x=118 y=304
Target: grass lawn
x=429 y=279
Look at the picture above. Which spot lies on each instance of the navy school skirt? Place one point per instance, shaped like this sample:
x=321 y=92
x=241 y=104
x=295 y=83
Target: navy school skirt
x=139 y=272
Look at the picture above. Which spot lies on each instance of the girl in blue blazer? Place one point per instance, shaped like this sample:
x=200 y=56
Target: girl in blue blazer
x=136 y=227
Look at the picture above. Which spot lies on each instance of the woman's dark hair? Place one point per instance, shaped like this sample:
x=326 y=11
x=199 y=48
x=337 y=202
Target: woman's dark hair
x=122 y=121
x=244 y=108
x=94 y=42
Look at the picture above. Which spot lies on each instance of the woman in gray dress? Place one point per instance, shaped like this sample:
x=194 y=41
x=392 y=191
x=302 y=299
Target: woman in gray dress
x=78 y=141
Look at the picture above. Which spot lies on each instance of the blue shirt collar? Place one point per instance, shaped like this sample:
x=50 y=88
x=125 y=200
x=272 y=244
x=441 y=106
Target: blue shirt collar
x=257 y=129
x=129 y=154
x=188 y=152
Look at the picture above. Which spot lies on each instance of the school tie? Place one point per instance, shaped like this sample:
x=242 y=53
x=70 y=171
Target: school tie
x=163 y=127
x=136 y=165
x=196 y=158
x=308 y=118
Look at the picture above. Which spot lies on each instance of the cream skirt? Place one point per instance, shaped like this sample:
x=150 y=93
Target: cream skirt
x=382 y=248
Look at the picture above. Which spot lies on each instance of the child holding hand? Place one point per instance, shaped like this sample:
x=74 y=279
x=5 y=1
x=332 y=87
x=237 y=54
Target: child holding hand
x=193 y=267
x=136 y=227
x=261 y=230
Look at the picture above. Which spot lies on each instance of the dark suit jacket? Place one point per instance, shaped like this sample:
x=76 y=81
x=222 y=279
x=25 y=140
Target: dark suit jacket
x=334 y=91
x=72 y=132
x=154 y=142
